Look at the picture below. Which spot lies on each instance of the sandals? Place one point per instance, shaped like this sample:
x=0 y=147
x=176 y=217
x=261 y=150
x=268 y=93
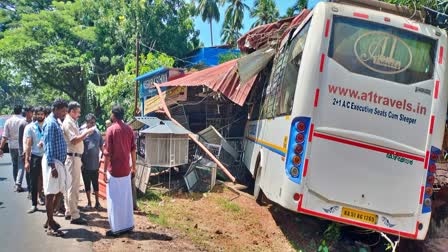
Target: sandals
x=57 y=226
x=98 y=207
x=55 y=233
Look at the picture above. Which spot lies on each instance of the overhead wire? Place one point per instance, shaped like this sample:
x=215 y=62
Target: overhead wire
x=157 y=51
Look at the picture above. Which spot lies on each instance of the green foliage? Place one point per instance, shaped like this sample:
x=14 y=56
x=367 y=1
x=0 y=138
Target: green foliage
x=233 y=21
x=265 y=11
x=229 y=34
x=323 y=247
x=70 y=47
x=49 y=50
x=224 y=57
x=298 y=6
x=434 y=4
x=208 y=10
x=120 y=88
x=331 y=235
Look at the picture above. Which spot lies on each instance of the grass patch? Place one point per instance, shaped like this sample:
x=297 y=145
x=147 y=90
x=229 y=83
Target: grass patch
x=228 y=205
x=182 y=212
x=160 y=219
x=152 y=195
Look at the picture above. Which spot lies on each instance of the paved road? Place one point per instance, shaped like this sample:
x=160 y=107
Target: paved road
x=20 y=231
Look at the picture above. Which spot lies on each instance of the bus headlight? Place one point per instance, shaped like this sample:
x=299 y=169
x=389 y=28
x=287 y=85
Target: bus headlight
x=428 y=202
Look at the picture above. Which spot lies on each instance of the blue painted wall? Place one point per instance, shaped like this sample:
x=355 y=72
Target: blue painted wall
x=208 y=56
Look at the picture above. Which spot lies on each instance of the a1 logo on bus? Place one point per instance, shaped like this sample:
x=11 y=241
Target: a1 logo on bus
x=383 y=52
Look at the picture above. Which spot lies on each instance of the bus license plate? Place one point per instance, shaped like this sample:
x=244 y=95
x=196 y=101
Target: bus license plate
x=359 y=215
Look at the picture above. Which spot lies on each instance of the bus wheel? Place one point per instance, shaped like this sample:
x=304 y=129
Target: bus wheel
x=258 y=192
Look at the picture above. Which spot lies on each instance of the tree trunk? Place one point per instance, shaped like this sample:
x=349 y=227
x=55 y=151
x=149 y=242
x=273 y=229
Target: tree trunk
x=211 y=31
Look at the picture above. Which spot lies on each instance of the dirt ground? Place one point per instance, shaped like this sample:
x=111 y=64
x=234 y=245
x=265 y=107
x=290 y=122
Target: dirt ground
x=229 y=220
x=221 y=220
x=146 y=236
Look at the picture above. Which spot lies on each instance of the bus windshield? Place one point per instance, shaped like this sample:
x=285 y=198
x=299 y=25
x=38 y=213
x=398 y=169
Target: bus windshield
x=382 y=51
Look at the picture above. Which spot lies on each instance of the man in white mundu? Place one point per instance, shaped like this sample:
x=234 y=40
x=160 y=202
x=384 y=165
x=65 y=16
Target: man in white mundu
x=53 y=172
x=119 y=143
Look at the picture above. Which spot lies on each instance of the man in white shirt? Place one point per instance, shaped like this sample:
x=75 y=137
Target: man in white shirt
x=75 y=149
x=11 y=135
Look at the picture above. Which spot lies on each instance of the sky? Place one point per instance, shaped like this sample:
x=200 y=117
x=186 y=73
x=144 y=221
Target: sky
x=204 y=27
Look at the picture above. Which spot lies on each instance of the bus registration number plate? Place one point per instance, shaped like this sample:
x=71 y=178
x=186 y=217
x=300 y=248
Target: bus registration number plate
x=359 y=215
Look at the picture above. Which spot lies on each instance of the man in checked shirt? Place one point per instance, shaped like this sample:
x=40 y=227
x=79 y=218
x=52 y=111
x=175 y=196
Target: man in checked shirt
x=53 y=170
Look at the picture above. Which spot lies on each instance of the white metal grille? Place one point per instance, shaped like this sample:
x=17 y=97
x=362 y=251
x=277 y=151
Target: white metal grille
x=166 y=150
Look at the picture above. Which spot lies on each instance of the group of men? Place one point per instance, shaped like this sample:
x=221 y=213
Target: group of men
x=53 y=149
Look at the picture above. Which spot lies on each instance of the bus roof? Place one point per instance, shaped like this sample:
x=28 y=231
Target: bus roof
x=416 y=15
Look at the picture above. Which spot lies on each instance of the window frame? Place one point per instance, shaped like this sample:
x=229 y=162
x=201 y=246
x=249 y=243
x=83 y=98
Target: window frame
x=304 y=30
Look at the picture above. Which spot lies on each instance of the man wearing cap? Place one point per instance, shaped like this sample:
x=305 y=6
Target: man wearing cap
x=75 y=149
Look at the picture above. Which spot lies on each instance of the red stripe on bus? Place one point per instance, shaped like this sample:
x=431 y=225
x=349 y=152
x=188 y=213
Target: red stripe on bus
x=422 y=189
x=327 y=28
x=441 y=55
x=368 y=146
x=436 y=89
x=360 y=15
x=310 y=137
x=316 y=98
x=354 y=223
x=426 y=159
x=431 y=124
x=322 y=61
x=416 y=229
x=305 y=168
x=411 y=27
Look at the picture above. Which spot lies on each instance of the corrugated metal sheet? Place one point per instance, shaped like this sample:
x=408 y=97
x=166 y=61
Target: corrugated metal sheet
x=222 y=78
x=225 y=78
x=269 y=35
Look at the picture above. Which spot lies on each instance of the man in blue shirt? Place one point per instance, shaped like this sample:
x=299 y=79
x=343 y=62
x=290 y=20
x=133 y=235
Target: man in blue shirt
x=53 y=171
x=34 y=150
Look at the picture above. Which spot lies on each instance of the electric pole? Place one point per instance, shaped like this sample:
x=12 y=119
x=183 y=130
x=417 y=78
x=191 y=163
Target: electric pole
x=137 y=45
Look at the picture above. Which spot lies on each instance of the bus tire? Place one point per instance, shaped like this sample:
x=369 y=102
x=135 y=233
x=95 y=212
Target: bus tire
x=259 y=196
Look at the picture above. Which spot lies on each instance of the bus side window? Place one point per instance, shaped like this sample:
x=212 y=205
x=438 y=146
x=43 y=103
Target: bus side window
x=293 y=56
x=273 y=88
x=259 y=93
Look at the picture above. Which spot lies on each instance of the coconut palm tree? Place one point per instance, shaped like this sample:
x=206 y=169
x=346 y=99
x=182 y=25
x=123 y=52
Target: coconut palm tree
x=235 y=13
x=298 y=6
x=265 y=11
x=230 y=34
x=208 y=9
x=233 y=21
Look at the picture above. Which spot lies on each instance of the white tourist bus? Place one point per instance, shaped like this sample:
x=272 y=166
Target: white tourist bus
x=352 y=119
